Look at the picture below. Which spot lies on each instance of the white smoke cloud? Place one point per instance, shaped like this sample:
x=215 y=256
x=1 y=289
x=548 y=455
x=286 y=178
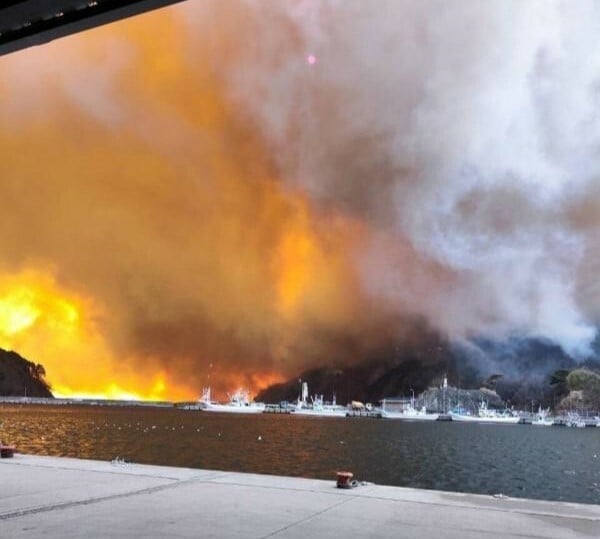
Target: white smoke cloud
x=466 y=133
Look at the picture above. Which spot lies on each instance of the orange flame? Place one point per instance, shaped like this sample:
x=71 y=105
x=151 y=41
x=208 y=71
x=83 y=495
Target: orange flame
x=59 y=329
x=55 y=327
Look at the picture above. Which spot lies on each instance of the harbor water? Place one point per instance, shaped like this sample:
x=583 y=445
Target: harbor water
x=550 y=463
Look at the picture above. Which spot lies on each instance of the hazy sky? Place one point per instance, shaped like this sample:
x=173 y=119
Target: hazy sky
x=265 y=186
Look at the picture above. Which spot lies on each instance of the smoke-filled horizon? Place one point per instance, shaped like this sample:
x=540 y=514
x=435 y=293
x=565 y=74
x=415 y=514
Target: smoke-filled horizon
x=248 y=189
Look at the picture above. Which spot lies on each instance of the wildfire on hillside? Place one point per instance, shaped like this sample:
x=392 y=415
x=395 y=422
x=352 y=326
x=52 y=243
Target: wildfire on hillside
x=263 y=191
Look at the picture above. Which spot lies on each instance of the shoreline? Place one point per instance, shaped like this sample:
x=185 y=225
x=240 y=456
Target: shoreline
x=60 y=401
x=65 y=497
x=558 y=421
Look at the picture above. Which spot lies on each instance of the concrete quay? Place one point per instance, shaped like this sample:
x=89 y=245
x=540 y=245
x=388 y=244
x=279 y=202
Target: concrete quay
x=69 y=498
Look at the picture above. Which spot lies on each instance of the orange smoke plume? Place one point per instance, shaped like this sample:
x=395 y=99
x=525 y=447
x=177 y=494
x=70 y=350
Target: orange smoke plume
x=146 y=233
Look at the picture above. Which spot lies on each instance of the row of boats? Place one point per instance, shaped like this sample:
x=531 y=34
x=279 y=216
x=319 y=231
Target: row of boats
x=241 y=403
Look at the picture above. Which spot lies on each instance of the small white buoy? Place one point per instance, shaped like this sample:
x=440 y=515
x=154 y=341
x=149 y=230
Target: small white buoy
x=259 y=438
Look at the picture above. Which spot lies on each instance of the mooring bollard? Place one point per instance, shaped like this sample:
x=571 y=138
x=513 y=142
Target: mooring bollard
x=7 y=451
x=344 y=479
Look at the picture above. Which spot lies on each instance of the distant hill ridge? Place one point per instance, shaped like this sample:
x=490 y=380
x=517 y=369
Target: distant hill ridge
x=368 y=381
x=517 y=374
x=20 y=377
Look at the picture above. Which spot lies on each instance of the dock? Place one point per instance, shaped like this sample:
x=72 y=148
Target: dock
x=52 y=498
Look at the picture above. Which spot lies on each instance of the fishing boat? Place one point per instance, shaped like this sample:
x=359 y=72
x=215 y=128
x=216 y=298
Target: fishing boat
x=239 y=403
x=574 y=420
x=410 y=413
x=484 y=415
x=541 y=419
x=317 y=407
x=320 y=409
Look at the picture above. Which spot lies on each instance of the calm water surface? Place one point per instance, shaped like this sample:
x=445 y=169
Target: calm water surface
x=550 y=463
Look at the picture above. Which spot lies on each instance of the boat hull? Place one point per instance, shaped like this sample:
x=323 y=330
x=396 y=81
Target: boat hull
x=410 y=417
x=224 y=408
x=478 y=419
x=542 y=423
x=320 y=413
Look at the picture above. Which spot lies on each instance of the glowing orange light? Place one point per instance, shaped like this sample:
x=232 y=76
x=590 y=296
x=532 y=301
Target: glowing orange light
x=17 y=312
x=295 y=255
x=55 y=327
x=263 y=380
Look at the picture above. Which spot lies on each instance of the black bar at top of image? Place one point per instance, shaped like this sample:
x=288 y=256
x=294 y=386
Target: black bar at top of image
x=26 y=23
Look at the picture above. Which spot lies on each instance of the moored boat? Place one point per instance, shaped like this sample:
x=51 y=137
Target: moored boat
x=321 y=410
x=410 y=413
x=541 y=419
x=485 y=415
x=317 y=407
x=574 y=420
x=239 y=403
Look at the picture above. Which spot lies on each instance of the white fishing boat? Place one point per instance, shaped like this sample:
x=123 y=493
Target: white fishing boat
x=485 y=415
x=574 y=420
x=239 y=403
x=317 y=407
x=321 y=410
x=541 y=419
x=410 y=413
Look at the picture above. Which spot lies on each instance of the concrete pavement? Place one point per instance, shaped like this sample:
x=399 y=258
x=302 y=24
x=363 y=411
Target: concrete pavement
x=68 y=498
